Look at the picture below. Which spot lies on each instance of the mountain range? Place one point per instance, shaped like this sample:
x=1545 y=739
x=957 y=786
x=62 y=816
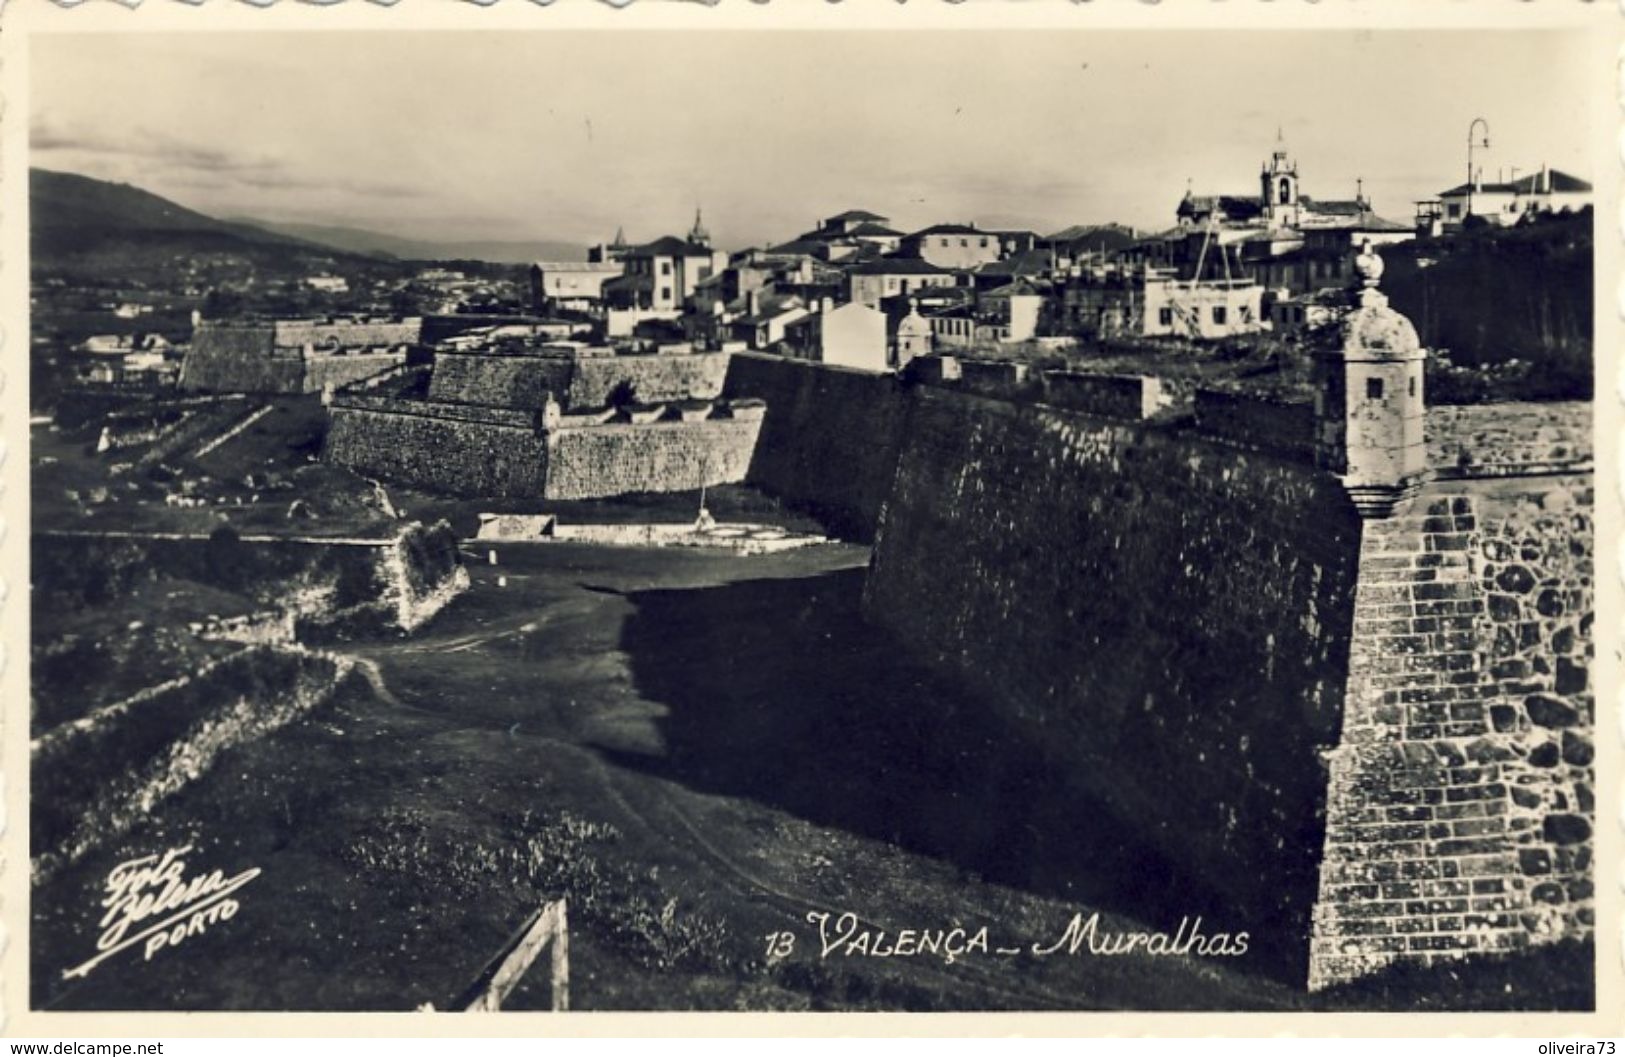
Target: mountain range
x=72 y=216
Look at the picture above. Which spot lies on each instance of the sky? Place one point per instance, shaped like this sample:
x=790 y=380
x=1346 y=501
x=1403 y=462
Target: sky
x=569 y=135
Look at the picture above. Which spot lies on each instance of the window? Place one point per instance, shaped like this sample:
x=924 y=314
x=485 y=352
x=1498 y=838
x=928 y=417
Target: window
x=984 y=244
x=665 y=267
x=1220 y=314
x=1165 y=316
x=1373 y=388
x=665 y=293
x=1412 y=385
x=1455 y=211
x=1286 y=191
x=963 y=243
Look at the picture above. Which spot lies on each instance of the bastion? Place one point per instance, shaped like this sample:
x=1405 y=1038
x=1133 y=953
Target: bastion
x=1331 y=658
x=293 y=355
x=551 y=422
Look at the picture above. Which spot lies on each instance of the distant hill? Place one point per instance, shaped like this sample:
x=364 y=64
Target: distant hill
x=71 y=214
x=376 y=243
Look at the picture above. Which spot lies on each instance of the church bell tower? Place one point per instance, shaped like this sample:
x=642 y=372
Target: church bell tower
x=1279 y=182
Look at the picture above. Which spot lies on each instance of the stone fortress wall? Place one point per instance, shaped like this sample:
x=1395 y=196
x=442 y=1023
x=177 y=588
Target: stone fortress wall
x=535 y=423
x=1374 y=726
x=293 y=356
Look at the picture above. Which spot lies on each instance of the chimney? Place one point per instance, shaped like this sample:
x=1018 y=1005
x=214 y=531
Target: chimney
x=1545 y=179
x=826 y=305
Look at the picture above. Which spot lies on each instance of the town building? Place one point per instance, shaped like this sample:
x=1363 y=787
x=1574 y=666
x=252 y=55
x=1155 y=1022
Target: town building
x=850 y=335
x=576 y=286
x=872 y=281
x=953 y=246
x=1147 y=302
x=1504 y=202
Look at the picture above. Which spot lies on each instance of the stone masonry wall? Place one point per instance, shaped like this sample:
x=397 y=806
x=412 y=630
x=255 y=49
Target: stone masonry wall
x=428 y=446
x=1126 y=396
x=240 y=360
x=1460 y=808
x=654 y=378
x=1484 y=440
x=323 y=370
x=1164 y=621
x=497 y=380
x=830 y=438
x=616 y=459
x=1286 y=427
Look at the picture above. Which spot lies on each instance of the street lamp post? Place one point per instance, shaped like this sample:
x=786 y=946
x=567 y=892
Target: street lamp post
x=1471 y=144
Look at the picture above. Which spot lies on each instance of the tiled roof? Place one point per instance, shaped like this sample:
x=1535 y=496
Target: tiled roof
x=1333 y=207
x=873 y=230
x=896 y=266
x=1561 y=181
x=856 y=214
x=669 y=246
x=1233 y=206
x=950 y=229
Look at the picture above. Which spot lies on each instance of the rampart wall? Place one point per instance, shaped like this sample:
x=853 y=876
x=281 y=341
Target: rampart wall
x=340 y=369
x=1285 y=427
x=1163 y=620
x=495 y=380
x=1191 y=624
x=616 y=459
x=1488 y=440
x=240 y=359
x=830 y=438
x=522 y=380
x=446 y=448
x=1461 y=800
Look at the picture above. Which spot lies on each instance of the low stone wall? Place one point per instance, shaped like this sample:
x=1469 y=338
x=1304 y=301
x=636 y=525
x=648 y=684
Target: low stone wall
x=331 y=587
x=94 y=778
x=1285 y=427
x=1126 y=396
x=617 y=459
x=1461 y=803
x=829 y=440
x=457 y=450
x=1487 y=440
x=1162 y=621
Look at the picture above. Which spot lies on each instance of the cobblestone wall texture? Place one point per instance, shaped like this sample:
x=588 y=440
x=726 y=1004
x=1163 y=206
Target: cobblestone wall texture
x=497 y=380
x=1482 y=440
x=1461 y=810
x=614 y=459
x=522 y=381
x=242 y=360
x=455 y=455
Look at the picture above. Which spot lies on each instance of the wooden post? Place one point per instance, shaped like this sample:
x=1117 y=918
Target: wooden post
x=499 y=978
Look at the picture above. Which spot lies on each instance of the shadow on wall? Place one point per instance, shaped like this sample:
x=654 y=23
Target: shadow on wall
x=779 y=692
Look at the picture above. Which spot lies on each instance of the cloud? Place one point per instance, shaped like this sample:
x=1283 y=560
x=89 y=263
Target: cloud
x=193 y=164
